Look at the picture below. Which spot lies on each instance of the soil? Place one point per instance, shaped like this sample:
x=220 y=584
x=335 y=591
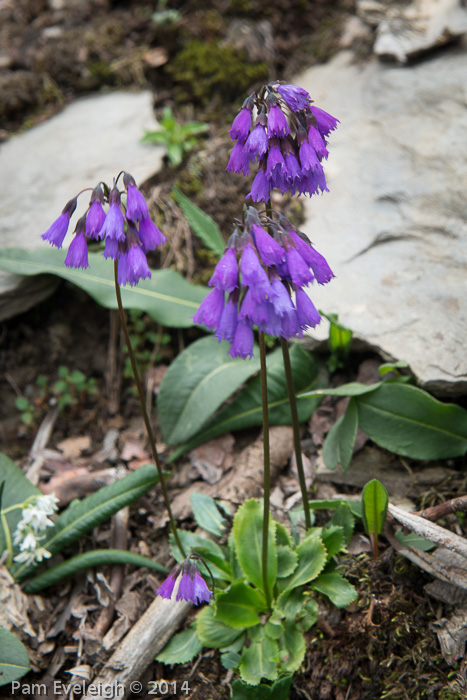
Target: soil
x=383 y=646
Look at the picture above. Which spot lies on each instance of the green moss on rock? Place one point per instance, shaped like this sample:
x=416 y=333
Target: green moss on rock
x=202 y=70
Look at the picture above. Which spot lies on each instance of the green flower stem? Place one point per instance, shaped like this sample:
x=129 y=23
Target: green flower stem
x=296 y=430
x=267 y=476
x=8 y=542
x=142 y=402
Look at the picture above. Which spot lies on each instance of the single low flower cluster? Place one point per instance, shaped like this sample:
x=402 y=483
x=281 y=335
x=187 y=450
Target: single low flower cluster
x=126 y=229
x=32 y=527
x=260 y=281
x=185 y=583
x=281 y=130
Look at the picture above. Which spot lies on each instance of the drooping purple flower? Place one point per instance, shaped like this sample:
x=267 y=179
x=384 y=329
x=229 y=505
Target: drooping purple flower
x=136 y=207
x=239 y=161
x=270 y=252
x=253 y=275
x=313 y=259
x=210 y=310
x=325 y=122
x=292 y=169
x=228 y=320
x=113 y=225
x=312 y=181
x=308 y=315
x=56 y=233
x=149 y=235
x=111 y=249
x=275 y=160
x=308 y=158
x=295 y=96
x=260 y=191
x=257 y=312
x=95 y=220
x=192 y=586
x=280 y=298
x=317 y=142
x=132 y=266
x=165 y=590
x=242 y=344
x=241 y=126
x=225 y=274
x=77 y=255
x=299 y=271
x=277 y=122
x=257 y=142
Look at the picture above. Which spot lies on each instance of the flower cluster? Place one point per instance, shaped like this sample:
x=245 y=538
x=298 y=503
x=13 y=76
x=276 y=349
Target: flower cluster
x=126 y=229
x=259 y=272
x=31 y=529
x=280 y=129
x=185 y=583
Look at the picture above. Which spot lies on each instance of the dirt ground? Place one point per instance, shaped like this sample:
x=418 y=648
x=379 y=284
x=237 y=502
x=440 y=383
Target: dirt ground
x=384 y=646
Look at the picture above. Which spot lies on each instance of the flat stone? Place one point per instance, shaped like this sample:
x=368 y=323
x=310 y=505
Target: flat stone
x=394 y=224
x=40 y=170
x=409 y=30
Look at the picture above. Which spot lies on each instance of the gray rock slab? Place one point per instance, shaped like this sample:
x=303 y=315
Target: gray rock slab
x=40 y=170
x=394 y=224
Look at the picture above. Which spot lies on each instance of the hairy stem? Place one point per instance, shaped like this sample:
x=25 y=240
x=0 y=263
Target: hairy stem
x=267 y=478
x=147 y=422
x=296 y=430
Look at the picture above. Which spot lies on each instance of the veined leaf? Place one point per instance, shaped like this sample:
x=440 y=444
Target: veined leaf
x=96 y=557
x=339 y=443
x=82 y=516
x=166 y=297
x=214 y=633
x=248 y=535
x=207 y=514
x=181 y=648
x=203 y=225
x=199 y=380
x=410 y=422
x=259 y=659
x=336 y=588
x=14 y=659
x=375 y=501
x=246 y=409
x=240 y=605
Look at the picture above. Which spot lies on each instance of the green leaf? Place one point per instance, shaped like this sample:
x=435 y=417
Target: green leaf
x=82 y=516
x=336 y=588
x=230 y=660
x=339 y=443
x=333 y=539
x=411 y=539
x=312 y=557
x=214 y=633
x=245 y=410
x=167 y=297
x=181 y=648
x=208 y=550
x=410 y=422
x=280 y=690
x=344 y=518
x=239 y=605
x=350 y=389
x=290 y=602
x=375 y=501
x=14 y=659
x=197 y=382
x=17 y=488
x=207 y=514
x=259 y=660
x=286 y=561
x=203 y=225
x=248 y=535
x=97 y=557
x=292 y=647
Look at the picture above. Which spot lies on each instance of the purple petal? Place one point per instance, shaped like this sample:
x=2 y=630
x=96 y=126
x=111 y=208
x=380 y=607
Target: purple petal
x=210 y=310
x=225 y=274
x=56 y=233
x=242 y=345
x=253 y=275
x=277 y=123
x=77 y=255
x=113 y=224
x=296 y=97
x=228 y=321
x=241 y=126
x=257 y=142
x=149 y=235
x=325 y=122
x=298 y=269
x=136 y=207
x=306 y=311
x=270 y=252
x=239 y=161
x=95 y=220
